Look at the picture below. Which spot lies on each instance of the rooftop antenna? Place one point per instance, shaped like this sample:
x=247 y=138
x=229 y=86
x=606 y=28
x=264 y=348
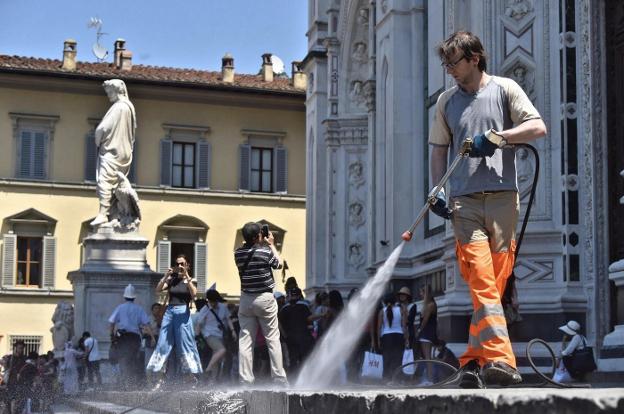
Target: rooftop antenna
x=98 y=50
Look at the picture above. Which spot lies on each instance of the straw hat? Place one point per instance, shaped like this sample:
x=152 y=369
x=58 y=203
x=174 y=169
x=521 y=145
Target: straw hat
x=405 y=291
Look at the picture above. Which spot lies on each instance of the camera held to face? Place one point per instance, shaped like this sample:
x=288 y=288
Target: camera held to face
x=265 y=230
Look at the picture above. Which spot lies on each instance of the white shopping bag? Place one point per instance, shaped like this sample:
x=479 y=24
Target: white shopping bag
x=408 y=358
x=562 y=374
x=372 y=367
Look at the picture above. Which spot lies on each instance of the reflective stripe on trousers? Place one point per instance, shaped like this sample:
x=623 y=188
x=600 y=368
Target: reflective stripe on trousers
x=486 y=274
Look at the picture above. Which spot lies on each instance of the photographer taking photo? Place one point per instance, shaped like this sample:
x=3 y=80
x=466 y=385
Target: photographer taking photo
x=255 y=260
x=177 y=328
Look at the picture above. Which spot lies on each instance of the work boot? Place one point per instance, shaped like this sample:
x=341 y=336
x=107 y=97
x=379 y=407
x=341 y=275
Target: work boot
x=500 y=373
x=470 y=376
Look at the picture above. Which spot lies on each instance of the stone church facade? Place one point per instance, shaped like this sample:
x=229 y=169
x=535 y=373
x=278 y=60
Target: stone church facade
x=373 y=80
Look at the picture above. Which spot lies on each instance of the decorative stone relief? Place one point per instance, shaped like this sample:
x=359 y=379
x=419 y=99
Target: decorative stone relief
x=369 y=95
x=362 y=17
x=525 y=169
x=530 y=271
x=310 y=82
x=356 y=174
x=525 y=78
x=355 y=256
x=517 y=9
x=359 y=53
x=356 y=94
x=384 y=6
x=356 y=214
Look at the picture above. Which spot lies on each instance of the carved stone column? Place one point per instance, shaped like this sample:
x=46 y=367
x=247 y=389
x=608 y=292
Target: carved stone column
x=613 y=343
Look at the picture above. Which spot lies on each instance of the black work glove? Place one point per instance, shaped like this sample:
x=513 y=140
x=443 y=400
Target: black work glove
x=440 y=207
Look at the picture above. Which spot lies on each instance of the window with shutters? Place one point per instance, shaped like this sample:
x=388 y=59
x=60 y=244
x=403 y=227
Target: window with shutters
x=263 y=162
x=29 y=251
x=185 y=157
x=262 y=169
x=29 y=256
x=183 y=165
x=33 y=135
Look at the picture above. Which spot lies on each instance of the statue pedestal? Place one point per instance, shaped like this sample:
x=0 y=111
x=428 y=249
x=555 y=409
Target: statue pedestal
x=112 y=261
x=612 y=352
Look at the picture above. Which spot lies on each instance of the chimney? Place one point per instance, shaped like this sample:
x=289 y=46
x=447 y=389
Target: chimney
x=125 y=60
x=267 y=68
x=120 y=46
x=299 y=78
x=69 y=54
x=227 y=68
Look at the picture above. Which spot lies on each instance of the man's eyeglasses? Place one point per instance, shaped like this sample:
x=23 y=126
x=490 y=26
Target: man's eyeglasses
x=451 y=65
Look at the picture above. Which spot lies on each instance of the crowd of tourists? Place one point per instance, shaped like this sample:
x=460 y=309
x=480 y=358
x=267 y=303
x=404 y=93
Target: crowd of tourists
x=265 y=338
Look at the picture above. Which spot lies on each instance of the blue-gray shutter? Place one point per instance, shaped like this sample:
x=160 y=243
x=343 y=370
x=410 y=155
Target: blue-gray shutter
x=163 y=254
x=48 y=265
x=204 y=161
x=200 y=265
x=133 y=166
x=281 y=170
x=25 y=155
x=166 y=152
x=39 y=156
x=90 y=156
x=9 y=257
x=244 y=183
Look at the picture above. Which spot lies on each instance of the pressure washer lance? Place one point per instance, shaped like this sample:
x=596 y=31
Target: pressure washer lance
x=432 y=197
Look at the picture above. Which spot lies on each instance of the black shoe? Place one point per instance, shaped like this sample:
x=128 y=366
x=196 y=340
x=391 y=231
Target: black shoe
x=500 y=373
x=470 y=376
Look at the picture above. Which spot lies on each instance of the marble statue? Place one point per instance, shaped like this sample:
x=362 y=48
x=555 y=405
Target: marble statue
x=114 y=139
x=63 y=328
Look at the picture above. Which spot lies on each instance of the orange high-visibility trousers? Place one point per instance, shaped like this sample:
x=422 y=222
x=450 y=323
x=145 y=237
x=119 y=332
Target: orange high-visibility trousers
x=484 y=225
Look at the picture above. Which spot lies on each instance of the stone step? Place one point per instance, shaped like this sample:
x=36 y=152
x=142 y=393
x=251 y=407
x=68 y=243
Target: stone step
x=61 y=408
x=89 y=406
x=377 y=401
x=174 y=401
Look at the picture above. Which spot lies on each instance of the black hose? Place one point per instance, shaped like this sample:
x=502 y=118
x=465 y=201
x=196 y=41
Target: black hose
x=525 y=221
x=548 y=381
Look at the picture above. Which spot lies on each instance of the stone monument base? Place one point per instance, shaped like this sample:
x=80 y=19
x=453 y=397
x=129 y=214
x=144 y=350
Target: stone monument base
x=112 y=260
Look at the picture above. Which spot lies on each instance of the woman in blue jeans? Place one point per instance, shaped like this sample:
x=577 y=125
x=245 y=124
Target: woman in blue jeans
x=177 y=327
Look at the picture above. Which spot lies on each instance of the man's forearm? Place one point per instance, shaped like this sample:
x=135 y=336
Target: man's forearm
x=275 y=253
x=437 y=165
x=526 y=131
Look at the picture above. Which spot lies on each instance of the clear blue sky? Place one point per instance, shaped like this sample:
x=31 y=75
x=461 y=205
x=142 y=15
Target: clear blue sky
x=185 y=33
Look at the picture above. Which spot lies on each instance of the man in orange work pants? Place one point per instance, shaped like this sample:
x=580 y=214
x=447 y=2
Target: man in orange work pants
x=495 y=112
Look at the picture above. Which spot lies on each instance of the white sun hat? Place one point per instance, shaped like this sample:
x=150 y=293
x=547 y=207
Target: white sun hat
x=571 y=328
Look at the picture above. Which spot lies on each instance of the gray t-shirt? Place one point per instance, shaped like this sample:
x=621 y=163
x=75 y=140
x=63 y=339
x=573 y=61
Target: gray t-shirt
x=500 y=104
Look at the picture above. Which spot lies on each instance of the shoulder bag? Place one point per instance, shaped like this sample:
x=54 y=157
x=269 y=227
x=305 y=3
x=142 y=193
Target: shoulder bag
x=580 y=361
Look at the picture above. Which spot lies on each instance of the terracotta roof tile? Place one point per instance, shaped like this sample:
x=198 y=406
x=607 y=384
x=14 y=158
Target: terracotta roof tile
x=157 y=74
